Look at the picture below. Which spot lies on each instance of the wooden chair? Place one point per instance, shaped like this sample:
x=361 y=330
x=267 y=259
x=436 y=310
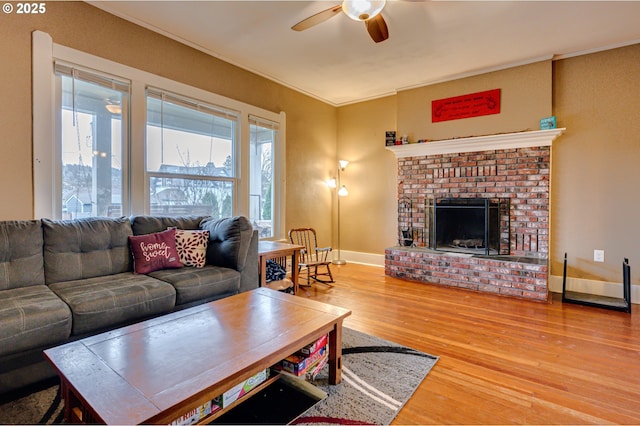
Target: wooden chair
x=312 y=258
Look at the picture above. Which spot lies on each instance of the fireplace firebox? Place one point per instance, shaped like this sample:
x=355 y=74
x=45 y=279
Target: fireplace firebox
x=469 y=225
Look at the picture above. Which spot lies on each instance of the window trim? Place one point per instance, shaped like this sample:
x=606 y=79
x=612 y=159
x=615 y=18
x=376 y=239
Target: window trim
x=45 y=52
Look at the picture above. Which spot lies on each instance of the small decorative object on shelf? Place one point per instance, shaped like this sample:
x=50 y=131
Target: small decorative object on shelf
x=548 y=123
x=390 y=138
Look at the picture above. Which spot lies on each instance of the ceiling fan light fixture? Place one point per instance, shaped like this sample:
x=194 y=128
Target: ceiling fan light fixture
x=113 y=107
x=362 y=10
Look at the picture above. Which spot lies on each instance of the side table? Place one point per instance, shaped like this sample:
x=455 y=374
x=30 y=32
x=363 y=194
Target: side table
x=275 y=250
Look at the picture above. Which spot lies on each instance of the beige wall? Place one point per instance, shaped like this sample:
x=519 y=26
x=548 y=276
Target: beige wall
x=596 y=164
x=525 y=99
x=369 y=213
x=311 y=130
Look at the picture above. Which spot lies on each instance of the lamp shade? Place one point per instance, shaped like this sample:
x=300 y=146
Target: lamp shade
x=113 y=108
x=342 y=192
x=362 y=10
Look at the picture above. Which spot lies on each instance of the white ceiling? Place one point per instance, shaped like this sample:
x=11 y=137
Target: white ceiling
x=429 y=41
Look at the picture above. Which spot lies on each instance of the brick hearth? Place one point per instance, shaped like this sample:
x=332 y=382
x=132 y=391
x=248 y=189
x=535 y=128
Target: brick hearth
x=515 y=170
x=513 y=276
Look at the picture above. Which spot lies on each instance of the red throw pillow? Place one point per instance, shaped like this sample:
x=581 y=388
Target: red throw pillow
x=156 y=251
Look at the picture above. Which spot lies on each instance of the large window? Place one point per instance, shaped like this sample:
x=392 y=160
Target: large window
x=189 y=156
x=129 y=142
x=92 y=130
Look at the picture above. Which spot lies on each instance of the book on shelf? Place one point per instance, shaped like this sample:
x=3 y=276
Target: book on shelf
x=298 y=364
x=241 y=389
x=222 y=401
x=309 y=373
x=195 y=415
x=313 y=371
x=313 y=347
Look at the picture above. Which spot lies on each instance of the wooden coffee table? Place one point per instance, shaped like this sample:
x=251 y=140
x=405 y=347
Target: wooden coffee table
x=157 y=370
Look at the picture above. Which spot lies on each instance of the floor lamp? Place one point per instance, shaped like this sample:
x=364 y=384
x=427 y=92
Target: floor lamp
x=342 y=192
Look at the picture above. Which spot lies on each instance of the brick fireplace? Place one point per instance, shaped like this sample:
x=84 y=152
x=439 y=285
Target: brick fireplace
x=514 y=167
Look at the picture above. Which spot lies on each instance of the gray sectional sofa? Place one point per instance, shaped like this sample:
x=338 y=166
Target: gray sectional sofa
x=65 y=280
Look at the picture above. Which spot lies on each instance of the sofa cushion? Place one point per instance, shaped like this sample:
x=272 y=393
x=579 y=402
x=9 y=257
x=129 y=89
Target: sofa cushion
x=21 y=263
x=192 y=247
x=208 y=283
x=106 y=301
x=229 y=240
x=32 y=317
x=85 y=248
x=155 y=251
x=147 y=224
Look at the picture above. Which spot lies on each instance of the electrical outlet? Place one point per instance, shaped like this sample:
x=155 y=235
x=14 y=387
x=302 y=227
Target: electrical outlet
x=598 y=255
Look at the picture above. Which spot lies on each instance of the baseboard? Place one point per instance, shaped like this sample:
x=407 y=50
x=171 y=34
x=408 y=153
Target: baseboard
x=371 y=259
x=600 y=288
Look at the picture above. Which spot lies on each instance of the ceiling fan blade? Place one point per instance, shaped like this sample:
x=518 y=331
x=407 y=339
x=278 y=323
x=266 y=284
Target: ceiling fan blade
x=377 y=28
x=317 y=18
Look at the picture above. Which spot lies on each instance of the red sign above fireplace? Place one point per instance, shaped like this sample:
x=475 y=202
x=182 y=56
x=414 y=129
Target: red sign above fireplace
x=466 y=106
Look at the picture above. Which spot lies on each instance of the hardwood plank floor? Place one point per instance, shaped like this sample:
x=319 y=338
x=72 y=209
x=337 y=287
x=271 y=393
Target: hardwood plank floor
x=502 y=360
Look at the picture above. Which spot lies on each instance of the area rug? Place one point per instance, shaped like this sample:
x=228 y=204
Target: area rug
x=41 y=406
x=378 y=378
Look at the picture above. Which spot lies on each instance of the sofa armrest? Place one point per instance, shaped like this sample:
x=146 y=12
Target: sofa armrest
x=229 y=241
x=233 y=243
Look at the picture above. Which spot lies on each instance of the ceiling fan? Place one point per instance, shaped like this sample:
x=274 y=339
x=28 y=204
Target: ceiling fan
x=367 y=11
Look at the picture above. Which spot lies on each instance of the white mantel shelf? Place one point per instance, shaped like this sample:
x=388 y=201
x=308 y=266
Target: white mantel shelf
x=478 y=143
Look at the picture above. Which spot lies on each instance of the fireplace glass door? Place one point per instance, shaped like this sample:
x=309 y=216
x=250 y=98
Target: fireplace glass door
x=466 y=225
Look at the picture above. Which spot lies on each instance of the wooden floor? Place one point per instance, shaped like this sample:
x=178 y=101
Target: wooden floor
x=502 y=360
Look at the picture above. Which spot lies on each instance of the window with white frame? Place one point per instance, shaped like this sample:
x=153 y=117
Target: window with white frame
x=124 y=146
x=92 y=132
x=190 y=162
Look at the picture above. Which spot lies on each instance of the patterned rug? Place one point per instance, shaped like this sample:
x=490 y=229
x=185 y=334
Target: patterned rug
x=41 y=406
x=378 y=378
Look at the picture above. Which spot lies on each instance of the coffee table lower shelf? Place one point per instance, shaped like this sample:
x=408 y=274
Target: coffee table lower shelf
x=211 y=417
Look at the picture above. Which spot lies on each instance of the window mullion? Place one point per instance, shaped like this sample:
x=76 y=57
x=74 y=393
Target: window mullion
x=190 y=177
x=137 y=182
